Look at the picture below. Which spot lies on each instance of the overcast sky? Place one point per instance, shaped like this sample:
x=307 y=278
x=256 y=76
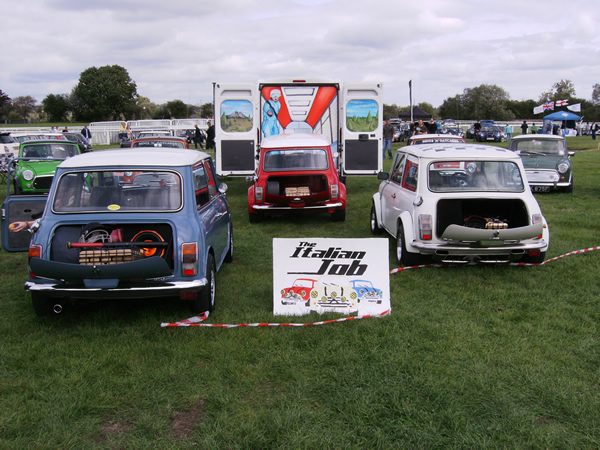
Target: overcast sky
x=175 y=49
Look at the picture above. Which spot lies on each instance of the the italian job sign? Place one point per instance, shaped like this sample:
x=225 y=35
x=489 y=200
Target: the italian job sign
x=330 y=275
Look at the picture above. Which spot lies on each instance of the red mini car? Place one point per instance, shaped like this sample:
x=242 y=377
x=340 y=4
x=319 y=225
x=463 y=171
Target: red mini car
x=296 y=172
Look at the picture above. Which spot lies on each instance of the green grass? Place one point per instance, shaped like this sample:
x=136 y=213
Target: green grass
x=470 y=356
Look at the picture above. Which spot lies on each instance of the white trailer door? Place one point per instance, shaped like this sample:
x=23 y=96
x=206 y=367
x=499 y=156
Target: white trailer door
x=236 y=127
x=362 y=129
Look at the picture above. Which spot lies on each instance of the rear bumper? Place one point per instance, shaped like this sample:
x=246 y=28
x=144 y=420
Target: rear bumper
x=122 y=291
x=327 y=206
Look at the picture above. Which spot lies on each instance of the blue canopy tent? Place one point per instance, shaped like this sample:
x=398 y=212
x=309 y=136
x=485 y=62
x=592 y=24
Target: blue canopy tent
x=567 y=118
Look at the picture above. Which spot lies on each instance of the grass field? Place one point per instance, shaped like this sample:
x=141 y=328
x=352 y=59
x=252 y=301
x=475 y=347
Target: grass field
x=470 y=356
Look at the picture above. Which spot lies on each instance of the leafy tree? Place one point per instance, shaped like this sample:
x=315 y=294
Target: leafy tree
x=143 y=108
x=56 y=107
x=452 y=108
x=522 y=109
x=390 y=111
x=595 y=94
x=207 y=110
x=22 y=107
x=562 y=90
x=428 y=107
x=104 y=93
x=176 y=109
x=486 y=102
x=5 y=103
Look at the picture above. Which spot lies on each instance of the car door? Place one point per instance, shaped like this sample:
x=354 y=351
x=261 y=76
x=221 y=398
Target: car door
x=213 y=210
x=399 y=193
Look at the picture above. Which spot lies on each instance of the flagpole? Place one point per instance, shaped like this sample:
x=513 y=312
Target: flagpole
x=410 y=98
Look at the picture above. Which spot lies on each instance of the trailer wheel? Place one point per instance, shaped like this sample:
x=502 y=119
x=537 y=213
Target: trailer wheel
x=206 y=298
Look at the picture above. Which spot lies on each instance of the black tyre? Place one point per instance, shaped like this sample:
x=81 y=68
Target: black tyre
x=373 y=222
x=405 y=258
x=206 y=298
x=229 y=255
x=255 y=218
x=339 y=215
x=569 y=188
x=534 y=259
x=42 y=305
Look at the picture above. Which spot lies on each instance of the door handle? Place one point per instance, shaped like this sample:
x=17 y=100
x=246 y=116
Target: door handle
x=394 y=195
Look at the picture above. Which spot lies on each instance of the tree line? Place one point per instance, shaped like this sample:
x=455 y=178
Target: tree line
x=109 y=93
x=103 y=93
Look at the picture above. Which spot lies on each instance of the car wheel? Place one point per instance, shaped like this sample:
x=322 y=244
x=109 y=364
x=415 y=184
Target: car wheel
x=229 y=255
x=206 y=297
x=339 y=215
x=42 y=305
x=534 y=259
x=18 y=190
x=405 y=258
x=569 y=188
x=255 y=218
x=373 y=221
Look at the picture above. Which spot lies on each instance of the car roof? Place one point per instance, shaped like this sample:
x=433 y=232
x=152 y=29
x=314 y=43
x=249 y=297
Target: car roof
x=137 y=157
x=295 y=140
x=460 y=151
x=159 y=138
x=417 y=137
x=549 y=137
x=49 y=142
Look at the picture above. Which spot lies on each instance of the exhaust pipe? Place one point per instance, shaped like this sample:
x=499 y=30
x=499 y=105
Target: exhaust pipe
x=58 y=308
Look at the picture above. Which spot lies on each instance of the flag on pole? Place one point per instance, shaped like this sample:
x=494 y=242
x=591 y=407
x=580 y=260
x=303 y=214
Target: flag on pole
x=575 y=108
x=538 y=109
x=561 y=103
x=548 y=105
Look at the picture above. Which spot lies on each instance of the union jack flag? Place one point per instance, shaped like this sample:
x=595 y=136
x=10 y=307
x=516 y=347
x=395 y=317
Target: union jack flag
x=548 y=105
x=561 y=102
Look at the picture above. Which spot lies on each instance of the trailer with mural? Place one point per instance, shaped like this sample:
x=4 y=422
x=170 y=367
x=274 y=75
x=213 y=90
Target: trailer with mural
x=348 y=115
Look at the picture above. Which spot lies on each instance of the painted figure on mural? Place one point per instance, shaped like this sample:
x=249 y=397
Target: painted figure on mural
x=270 y=124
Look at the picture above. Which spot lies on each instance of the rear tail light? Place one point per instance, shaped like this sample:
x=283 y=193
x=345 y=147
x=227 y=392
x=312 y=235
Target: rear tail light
x=35 y=251
x=425 y=227
x=334 y=192
x=535 y=219
x=189 y=259
x=258 y=193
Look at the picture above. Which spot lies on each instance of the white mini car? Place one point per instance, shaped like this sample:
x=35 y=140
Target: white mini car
x=459 y=203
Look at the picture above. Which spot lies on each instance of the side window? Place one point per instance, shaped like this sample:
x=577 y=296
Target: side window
x=410 y=176
x=398 y=168
x=200 y=186
x=205 y=186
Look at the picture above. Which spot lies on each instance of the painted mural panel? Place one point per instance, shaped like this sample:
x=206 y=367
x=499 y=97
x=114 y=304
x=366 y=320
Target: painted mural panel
x=362 y=115
x=236 y=116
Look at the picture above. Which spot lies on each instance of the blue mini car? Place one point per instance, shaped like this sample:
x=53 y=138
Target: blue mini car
x=118 y=224
x=364 y=291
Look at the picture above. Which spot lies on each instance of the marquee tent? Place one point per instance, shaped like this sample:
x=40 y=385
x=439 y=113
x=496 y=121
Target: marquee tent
x=418 y=113
x=568 y=119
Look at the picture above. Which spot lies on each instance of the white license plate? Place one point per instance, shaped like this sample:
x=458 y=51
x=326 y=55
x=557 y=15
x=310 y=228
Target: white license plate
x=540 y=188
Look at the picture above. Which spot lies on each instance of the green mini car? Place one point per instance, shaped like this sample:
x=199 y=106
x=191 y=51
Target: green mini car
x=34 y=170
x=546 y=160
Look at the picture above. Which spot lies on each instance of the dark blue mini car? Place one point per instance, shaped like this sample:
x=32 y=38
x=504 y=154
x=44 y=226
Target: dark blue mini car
x=119 y=224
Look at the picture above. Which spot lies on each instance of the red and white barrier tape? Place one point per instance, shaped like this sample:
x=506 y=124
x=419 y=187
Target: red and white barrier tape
x=197 y=322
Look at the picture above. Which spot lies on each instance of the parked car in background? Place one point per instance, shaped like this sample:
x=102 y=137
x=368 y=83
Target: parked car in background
x=470 y=133
x=8 y=144
x=490 y=133
x=296 y=173
x=419 y=139
x=121 y=224
x=546 y=160
x=34 y=170
x=459 y=204
x=126 y=143
x=453 y=129
x=164 y=142
x=84 y=144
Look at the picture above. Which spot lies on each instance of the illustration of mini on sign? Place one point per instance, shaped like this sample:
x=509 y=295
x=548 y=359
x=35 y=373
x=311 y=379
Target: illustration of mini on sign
x=330 y=275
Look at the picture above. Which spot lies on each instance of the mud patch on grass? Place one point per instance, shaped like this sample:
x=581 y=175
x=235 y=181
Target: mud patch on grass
x=184 y=422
